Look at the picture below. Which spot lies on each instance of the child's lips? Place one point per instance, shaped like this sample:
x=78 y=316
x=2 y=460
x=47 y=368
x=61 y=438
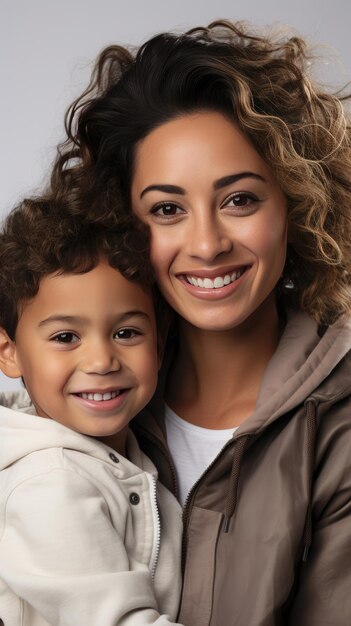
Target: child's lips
x=99 y=396
x=101 y=401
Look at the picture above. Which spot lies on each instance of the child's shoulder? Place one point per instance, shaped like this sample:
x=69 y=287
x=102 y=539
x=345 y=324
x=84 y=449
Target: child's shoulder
x=30 y=467
x=35 y=449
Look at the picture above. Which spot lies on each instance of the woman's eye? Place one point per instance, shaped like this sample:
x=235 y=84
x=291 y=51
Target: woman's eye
x=65 y=338
x=241 y=200
x=166 y=209
x=126 y=333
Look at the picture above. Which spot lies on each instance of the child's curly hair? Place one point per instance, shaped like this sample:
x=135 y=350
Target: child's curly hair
x=40 y=238
x=262 y=83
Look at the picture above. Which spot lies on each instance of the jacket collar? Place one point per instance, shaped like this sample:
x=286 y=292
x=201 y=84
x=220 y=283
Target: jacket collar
x=300 y=369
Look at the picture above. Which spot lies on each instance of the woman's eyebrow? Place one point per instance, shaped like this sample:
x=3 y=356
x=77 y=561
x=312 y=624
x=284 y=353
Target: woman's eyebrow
x=233 y=178
x=165 y=188
x=218 y=184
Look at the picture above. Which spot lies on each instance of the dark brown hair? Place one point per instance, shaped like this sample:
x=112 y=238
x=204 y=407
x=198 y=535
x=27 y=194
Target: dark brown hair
x=40 y=238
x=261 y=82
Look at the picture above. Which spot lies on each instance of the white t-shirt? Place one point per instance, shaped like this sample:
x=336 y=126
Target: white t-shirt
x=193 y=448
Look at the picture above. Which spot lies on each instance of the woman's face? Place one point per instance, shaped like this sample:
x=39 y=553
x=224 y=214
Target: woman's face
x=218 y=219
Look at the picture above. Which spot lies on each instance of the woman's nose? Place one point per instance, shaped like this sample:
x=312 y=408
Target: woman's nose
x=207 y=238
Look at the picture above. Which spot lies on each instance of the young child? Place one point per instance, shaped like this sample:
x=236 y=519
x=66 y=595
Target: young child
x=87 y=536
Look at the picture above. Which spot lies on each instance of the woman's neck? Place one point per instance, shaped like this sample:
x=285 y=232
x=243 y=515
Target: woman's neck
x=216 y=376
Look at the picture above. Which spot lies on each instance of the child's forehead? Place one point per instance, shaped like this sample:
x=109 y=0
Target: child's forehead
x=100 y=275
x=101 y=291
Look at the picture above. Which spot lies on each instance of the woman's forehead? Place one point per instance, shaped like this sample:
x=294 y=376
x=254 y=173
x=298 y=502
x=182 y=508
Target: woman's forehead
x=194 y=145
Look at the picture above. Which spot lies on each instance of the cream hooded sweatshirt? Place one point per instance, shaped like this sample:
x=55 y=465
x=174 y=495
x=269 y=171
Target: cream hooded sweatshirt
x=86 y=535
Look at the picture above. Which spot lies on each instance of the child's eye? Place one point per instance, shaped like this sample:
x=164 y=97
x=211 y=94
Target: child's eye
x=65 y=338
x=126 y=333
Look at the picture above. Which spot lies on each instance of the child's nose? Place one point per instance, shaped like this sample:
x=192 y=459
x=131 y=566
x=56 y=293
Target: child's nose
x=101 y=358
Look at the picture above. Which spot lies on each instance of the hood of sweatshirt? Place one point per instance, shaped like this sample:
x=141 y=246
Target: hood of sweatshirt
x=299 y=369
x=23 y=432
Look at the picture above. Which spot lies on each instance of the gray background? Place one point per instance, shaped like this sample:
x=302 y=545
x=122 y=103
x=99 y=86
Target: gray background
x=47 y=48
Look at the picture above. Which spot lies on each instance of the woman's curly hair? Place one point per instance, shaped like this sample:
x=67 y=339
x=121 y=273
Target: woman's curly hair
x=262 y=83
x=40 y=238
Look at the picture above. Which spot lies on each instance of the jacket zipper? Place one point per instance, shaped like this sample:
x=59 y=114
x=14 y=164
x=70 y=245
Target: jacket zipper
x=156 y=526
x=192 y=493
x=190 y=497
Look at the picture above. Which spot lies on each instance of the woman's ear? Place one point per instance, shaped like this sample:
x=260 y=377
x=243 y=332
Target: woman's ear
x=8 y=362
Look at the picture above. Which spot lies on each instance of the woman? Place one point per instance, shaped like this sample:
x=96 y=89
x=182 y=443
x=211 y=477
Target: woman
x=241 y=166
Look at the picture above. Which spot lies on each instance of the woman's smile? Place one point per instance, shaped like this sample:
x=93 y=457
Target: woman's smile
x=213 y=285
x=217 y=215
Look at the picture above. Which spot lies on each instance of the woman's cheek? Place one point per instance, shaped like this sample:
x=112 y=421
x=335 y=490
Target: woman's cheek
x=161 y=252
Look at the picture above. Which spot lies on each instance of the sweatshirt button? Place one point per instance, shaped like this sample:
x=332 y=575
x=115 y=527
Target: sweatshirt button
x=134 y=498
x=113 y=457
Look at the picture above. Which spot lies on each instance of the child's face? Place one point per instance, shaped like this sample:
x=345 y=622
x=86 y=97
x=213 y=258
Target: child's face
x=86 y=347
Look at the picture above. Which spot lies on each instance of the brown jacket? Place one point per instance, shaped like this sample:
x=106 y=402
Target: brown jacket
x=267 y=539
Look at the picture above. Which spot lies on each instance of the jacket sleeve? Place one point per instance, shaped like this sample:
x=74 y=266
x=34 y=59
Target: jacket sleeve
x=60 y=552
x=323 y=591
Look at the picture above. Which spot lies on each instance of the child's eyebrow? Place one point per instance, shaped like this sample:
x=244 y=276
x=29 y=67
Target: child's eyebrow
x=69 y=319
x=125 y=316
x=74 y=319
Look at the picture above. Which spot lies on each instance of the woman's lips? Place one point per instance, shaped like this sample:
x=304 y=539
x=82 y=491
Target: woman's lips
x=215 y=282
x=214 y=285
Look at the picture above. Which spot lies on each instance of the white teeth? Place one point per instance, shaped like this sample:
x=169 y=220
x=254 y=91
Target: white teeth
x=99 y=397
x=216 y=283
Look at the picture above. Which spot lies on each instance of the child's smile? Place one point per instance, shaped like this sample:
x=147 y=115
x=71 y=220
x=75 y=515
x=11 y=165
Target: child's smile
x=101 y=400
